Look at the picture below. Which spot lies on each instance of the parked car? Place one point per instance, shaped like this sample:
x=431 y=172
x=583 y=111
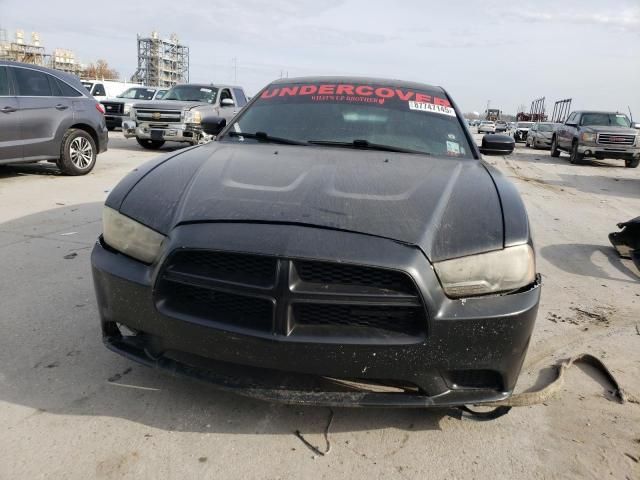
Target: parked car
x=117 y=109
x=539 y=135
x=288 y=258
x=48 y=115
x=487 y=126
x=103 y=89
x=501 y=126
x=177 y=118
x=521 y=131
x=597 y=134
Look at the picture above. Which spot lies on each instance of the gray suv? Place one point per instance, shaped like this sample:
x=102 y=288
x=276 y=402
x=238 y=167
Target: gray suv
x=48 y=115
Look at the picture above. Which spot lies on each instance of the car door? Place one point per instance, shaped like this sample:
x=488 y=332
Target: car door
x=227 y=112
x=531 y=135
x=565 y=132
x=10 y=123
x=43 y=110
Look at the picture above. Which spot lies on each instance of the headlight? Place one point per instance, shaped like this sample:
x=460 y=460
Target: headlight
x=192 y=117
x=588 y=137
x=493 y=272
x=130 y=237
x=127 y=108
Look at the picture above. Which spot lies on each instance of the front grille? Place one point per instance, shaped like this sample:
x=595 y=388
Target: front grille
x=405 y=320
x=113 y=108
x=165 y=116
x=326 y=273
x=290 y=297
x=616 y=139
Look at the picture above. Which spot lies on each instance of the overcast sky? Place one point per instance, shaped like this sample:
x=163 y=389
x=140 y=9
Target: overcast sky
x=507 y=52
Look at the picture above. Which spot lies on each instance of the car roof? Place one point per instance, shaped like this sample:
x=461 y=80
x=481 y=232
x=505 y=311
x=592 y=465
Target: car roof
x=207 y=85
x=67 y=77
x=607 y=112
x=362 y=80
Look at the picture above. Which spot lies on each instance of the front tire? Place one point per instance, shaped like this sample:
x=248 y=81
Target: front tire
x=554 y=147
x=576 y=157
x=632 y=162
x=78 y=153
x=150 y=144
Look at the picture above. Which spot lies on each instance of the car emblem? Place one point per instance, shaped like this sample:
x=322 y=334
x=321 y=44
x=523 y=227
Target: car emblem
x=156 y=115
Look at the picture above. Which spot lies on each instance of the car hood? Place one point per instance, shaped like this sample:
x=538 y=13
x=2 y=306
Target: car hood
x=170 y=104
x=447 y=207
x=610 y=128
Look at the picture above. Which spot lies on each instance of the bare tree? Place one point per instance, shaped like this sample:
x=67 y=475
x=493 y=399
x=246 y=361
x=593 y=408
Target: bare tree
x=100 y=70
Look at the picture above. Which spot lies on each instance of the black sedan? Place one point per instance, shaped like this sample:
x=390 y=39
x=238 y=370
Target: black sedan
x=340 y=243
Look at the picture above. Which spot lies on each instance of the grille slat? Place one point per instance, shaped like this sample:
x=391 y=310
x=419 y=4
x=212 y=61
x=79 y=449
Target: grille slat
x=405 y=320
x=326 y=273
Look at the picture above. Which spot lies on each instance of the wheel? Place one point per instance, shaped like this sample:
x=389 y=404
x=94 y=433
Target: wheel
x=78 y=153
x=150 y=144
x=554 y=147
x=631 y=162
x=576 y=157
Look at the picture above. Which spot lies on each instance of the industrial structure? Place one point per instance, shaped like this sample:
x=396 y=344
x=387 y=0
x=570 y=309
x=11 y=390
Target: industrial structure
x=537 y=112
x=161 y=62
x=31 y=51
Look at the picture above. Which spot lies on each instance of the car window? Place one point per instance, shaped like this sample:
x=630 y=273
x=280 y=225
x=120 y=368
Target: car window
x=4 y=81
x=419 y=120
x=88 y=86
x=572 y=118
x=225 y=93
x=56 y=91
x=32 y=83
x=68 y=90
x=240 y=97
x=98 y=90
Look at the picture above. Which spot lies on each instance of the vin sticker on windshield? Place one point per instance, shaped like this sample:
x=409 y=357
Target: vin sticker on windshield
x=430 y=107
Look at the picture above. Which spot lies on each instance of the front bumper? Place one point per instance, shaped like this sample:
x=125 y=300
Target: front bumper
x=609 y=151
x=115 y=121
x=462 y=338
x=178 y=132
x=521 y=135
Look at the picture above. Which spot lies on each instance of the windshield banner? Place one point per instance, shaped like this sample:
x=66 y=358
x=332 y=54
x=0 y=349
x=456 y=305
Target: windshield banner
x=353 y=93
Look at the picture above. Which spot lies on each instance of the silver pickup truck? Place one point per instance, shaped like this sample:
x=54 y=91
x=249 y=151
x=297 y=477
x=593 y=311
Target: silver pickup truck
x=600 y=135
x=177 y=118
x=116 y=110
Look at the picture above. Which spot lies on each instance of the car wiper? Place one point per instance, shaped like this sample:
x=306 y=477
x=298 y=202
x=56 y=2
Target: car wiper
x=264 y=137
x=366 y=145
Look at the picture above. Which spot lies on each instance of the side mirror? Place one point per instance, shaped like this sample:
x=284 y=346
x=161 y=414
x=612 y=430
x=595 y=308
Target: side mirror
x=497 y=145
x=213 y=125
x=636 y=126
x=227 y=102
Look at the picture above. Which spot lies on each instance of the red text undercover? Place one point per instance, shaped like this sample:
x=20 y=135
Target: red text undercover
x=354 y=90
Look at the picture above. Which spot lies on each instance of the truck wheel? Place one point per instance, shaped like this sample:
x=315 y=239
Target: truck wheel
x=576 y=157
x=554 y=147
x=150 y=144
x=78 y=153
x=631 y=162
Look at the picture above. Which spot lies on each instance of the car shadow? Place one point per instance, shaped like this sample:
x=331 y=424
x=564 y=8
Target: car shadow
x=576 y=258
x=21 y=169
x=61 y=367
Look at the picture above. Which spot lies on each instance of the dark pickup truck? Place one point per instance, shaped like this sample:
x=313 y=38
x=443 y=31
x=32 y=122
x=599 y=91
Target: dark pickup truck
x=600 y=135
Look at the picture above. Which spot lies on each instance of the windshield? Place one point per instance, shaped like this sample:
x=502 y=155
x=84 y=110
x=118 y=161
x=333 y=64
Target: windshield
x=160 y=95
x=88 y=85
x=545 y=127
x=525 y=124
x=610 y=119
x=421 y=121
x=192 y=93
x=138 y=93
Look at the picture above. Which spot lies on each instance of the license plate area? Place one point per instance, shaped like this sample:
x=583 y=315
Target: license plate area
x=157 y=135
